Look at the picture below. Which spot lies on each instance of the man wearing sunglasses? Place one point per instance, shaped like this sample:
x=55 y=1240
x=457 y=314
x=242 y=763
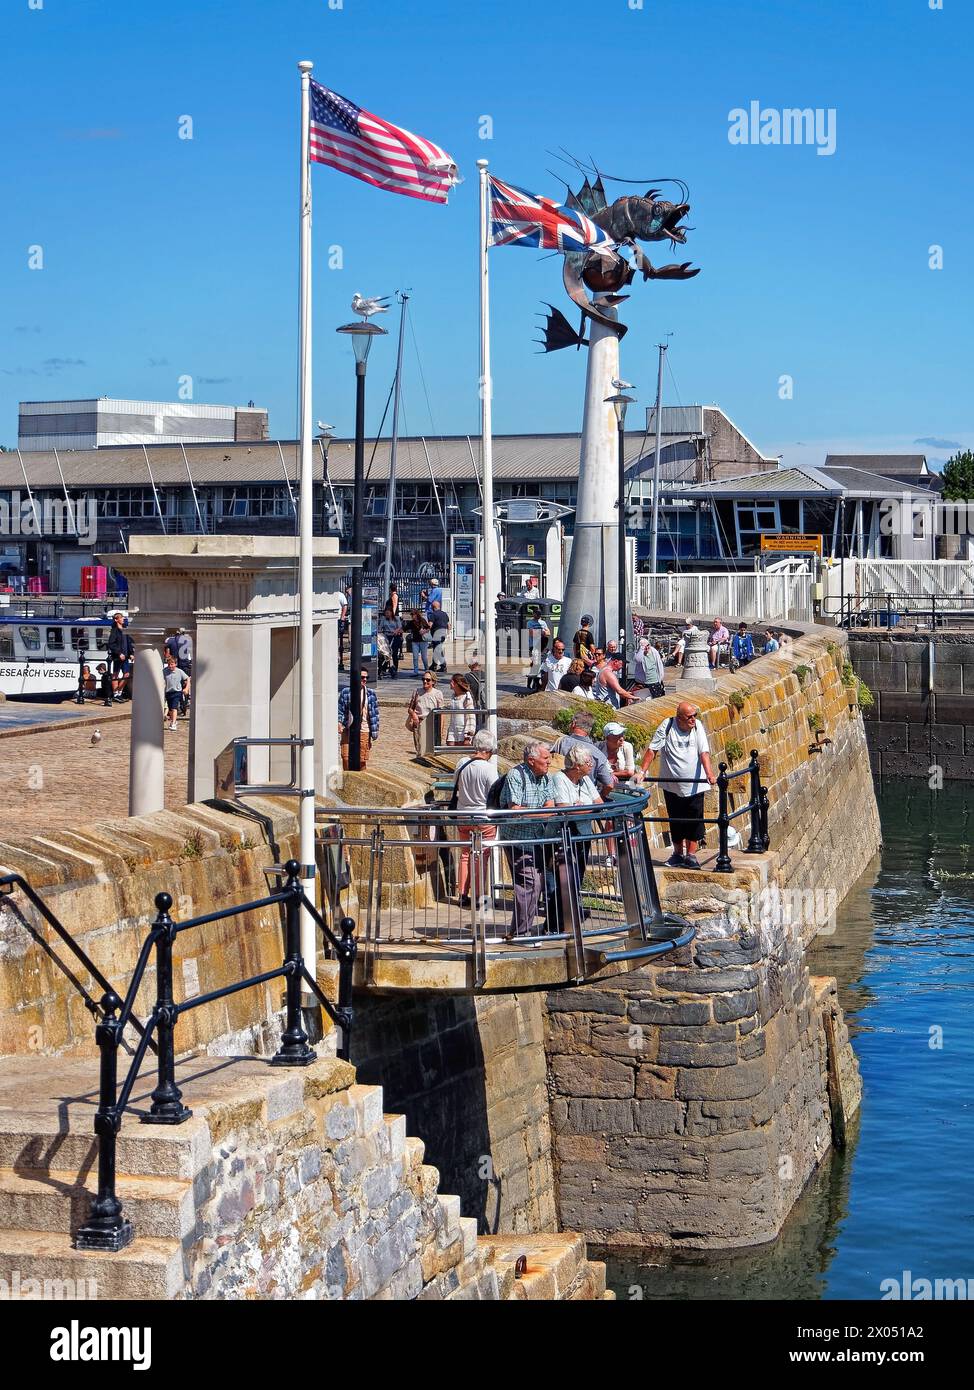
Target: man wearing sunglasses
x=685 y=771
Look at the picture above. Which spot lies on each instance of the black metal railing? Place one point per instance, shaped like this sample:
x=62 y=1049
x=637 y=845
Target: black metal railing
x=755 y=808
x=107 y=1227
x=886 y=609
x=7 y=885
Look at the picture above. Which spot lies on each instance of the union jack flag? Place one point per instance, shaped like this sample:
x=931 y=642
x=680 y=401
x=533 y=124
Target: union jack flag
x=369 y=148
x=518 y=218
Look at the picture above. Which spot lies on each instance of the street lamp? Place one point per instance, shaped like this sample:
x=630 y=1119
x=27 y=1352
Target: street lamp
x=620 y=403
x=361 y=335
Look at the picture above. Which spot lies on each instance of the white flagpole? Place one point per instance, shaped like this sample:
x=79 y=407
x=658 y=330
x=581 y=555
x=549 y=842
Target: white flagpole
x=489 y=578
x=306 y=690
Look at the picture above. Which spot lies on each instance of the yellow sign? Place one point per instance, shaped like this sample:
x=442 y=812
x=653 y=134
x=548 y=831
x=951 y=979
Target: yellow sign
x=805 y=544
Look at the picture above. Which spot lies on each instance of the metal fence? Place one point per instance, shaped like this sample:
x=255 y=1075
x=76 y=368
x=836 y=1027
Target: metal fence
x=756 y=597
x=468 y=881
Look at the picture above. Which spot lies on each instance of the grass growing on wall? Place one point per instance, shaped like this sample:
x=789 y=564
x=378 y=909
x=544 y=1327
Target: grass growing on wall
x=603 y=714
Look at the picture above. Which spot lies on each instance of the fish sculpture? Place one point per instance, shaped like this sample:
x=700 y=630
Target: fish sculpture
x=628 y=220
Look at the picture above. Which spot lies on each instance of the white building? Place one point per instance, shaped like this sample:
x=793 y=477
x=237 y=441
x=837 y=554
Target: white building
x=94 y=424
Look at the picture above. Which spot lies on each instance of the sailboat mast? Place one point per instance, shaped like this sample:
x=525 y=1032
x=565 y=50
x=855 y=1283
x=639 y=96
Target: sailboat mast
x=403 y=298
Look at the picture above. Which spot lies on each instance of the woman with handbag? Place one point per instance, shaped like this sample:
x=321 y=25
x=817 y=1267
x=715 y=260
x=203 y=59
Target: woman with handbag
x=423 y=700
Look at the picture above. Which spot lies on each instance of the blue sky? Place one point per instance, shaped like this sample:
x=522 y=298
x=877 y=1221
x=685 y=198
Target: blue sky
x=165 y=257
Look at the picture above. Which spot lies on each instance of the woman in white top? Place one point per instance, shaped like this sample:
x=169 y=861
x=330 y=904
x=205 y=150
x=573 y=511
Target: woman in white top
x=463 y=718
x=474 y=777
x=424 y=700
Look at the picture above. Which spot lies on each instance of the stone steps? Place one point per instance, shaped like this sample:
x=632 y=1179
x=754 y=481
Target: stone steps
x=558 y=1268
x=58 y=1202
x=147 y=1269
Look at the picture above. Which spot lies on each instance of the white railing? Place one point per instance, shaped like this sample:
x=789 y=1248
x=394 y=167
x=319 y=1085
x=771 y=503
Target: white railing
x=768 y=597
x=944 y=578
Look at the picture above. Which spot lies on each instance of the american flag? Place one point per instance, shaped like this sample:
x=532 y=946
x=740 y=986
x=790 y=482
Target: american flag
x=369 y=148
x=518 y=218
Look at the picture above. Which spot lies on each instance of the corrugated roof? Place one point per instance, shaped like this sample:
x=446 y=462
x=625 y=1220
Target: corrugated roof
x=516 y=457
x=886 y=465
x=783 y=481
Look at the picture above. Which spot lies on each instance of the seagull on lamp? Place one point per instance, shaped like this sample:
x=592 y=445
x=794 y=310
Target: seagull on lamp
x=324 y=431
x=366 y=306
x=621 y=385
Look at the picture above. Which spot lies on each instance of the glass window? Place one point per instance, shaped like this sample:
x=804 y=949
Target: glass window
x=6 y=645
x=55 y=638
x=101 y=638
x=78 y=635
x=31 y=638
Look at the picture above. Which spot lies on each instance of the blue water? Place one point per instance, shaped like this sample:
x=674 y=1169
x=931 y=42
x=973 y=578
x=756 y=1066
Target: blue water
x=900 y=1197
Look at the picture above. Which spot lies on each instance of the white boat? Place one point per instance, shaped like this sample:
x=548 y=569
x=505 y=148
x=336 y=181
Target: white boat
x=44 y=655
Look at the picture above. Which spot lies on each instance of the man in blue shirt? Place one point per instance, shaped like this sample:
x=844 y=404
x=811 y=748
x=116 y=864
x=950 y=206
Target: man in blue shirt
x=771 y=643
x=527 y=787
x=742 y=645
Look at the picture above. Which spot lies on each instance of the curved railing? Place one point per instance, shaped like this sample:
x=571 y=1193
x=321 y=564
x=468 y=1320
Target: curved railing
x=470 y=881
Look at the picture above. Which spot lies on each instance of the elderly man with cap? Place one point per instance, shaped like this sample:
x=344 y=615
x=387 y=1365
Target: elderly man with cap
x=618 y=750
x=685 y=773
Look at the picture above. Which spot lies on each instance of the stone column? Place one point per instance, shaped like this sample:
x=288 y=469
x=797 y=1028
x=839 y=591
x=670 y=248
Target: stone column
x=592 y=582
x=147 y=769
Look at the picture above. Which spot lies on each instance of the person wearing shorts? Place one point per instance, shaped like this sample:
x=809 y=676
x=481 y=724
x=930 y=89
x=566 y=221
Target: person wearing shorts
x=174 y=683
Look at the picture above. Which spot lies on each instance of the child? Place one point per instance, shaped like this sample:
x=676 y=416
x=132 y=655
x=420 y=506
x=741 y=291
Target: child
x=105 y=683
x=175 y=682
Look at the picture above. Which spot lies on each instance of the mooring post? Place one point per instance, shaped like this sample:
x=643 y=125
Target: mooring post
x=294 y=1050
x=167 y=1104
x=106 y=1227
x=755 y=844
x=723 y=864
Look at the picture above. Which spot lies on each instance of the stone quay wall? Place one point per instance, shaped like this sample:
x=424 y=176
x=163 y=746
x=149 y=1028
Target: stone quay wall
x=469 y=1074
x=916 y=725
x=692 y=1099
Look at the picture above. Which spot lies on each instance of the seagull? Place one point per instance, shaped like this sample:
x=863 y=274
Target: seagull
x=621 y=385
x=96 y=736
x=323 y=428
x=369 y=305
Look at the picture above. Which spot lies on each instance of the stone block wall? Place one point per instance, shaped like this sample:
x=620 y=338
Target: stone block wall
x=469 y=1074
x=690 y=1100
x=912 y=728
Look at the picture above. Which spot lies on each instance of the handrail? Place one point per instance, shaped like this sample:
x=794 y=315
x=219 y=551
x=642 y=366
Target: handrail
x=107 y=1227
x=8 y=882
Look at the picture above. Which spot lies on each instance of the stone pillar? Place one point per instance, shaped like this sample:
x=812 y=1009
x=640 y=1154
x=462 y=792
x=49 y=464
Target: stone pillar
x=328 y=765
x=592 y=583
x=147 y=770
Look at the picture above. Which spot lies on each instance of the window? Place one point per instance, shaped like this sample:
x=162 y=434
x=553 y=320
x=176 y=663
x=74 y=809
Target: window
x=55 y=639
x=31 y=638
x=752 y=519
x=6 y=646
x=255 y=501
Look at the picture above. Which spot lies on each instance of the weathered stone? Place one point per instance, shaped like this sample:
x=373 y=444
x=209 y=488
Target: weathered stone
x=728 y=1007
x=593 y=1076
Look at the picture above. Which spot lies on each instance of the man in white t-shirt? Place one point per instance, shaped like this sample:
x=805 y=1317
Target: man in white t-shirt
x=555 y=665
x=685 y=771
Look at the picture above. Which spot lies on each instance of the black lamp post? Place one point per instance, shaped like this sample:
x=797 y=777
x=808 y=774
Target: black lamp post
x=361 y=335
x=621 y=403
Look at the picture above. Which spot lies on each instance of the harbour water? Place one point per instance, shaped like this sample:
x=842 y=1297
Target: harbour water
x=898 y=1203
